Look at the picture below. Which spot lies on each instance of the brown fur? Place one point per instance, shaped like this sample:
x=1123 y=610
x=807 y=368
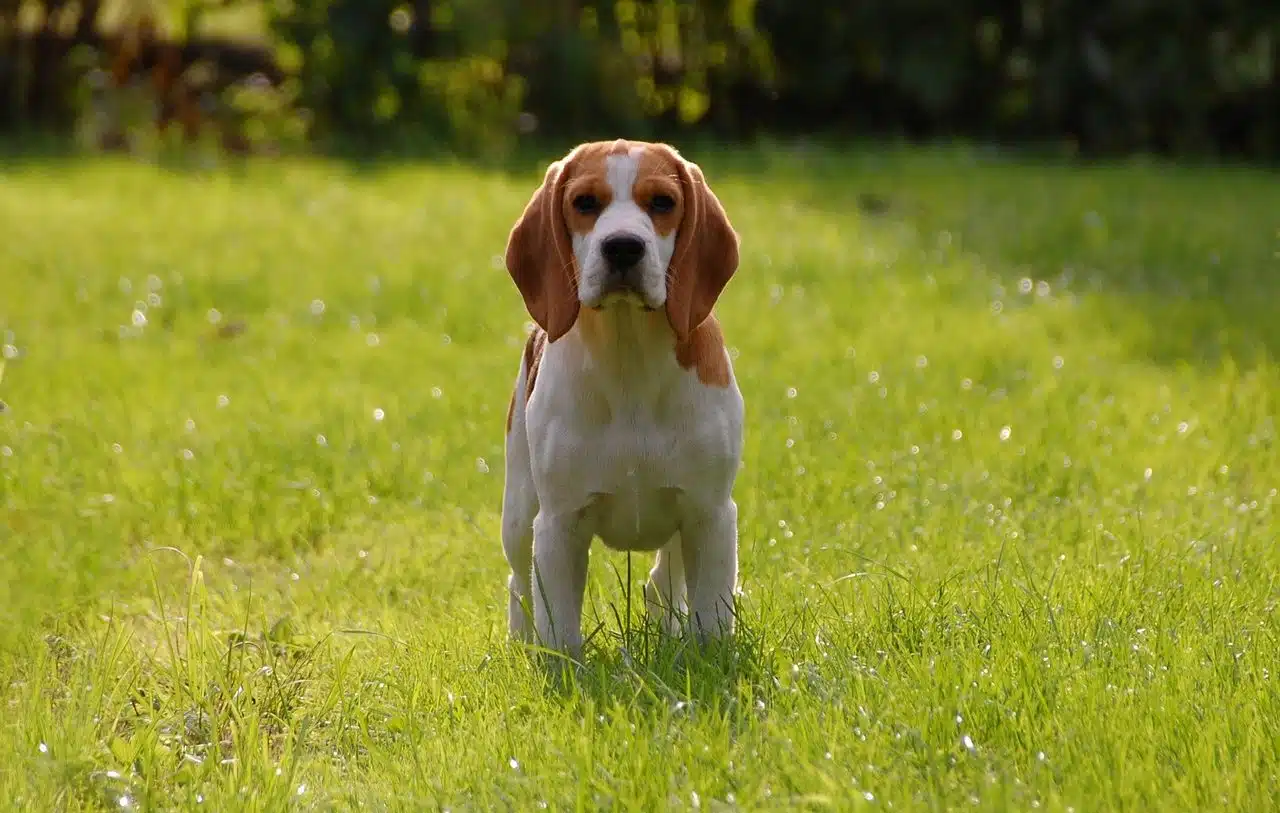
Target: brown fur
x=533 y=348
x=706 y=253
x=704 y=352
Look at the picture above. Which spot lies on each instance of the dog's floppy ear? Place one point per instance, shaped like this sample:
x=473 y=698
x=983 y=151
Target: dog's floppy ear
x=540 y=256
x=706 y=253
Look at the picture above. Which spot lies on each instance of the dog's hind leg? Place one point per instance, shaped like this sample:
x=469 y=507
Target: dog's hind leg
x=665 y=592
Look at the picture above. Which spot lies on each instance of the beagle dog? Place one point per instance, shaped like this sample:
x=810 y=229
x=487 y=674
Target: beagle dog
x=626 y=421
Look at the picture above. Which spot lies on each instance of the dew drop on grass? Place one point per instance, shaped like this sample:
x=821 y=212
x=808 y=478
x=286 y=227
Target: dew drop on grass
x=791 y=392
x=873 y=377
x=44 y=749
x=138 y=318
x=187 y=454
x=922 y=362
x=436 y=392
x=154 y=300
x=223 y=401
x=117 y=448
x=10 y=352
x=1005 y=431
x=214 y=316
x=957 y=434
x=302 y=788
x=317 y=307
x=1058 y=362
x=378 y=414
x=372 y=340
x=514 y=763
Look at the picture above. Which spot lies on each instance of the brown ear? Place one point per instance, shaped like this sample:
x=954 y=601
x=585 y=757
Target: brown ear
x=705 y=257
x=540 y=257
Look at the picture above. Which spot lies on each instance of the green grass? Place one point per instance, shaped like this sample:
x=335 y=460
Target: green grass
x=1008 y=512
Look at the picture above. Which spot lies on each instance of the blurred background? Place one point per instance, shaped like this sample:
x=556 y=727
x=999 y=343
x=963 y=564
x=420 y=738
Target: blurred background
x=478 y=77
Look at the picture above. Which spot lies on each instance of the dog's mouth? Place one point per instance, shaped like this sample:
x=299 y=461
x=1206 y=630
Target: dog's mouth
x=622 y=298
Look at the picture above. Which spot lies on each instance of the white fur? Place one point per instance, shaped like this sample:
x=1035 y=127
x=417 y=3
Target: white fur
x=623 y=216
x=627 y=446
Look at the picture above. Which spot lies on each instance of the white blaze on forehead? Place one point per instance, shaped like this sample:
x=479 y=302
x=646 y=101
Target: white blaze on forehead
x=620 y=172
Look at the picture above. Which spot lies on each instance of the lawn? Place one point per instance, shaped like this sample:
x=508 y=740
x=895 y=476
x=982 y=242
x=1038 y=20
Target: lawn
x=1008 y=514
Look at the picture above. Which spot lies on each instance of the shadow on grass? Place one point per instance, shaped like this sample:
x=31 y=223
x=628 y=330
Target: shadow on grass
x=1180 y=261
x=628 y=656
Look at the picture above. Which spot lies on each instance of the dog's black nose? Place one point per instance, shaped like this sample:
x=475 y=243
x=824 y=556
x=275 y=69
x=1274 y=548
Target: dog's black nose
x=622 y=251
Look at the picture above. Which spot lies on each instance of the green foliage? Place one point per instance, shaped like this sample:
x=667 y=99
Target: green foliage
x=1123 y=76
x=1181 y=76
x=469 y=70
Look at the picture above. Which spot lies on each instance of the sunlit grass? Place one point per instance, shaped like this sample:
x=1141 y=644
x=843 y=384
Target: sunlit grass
x=1008 y=513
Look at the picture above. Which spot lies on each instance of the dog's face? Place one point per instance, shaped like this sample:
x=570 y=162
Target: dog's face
x=622 y=224
x=623 y=210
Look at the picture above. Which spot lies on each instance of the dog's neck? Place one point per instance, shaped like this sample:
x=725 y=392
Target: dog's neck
x=629 y=351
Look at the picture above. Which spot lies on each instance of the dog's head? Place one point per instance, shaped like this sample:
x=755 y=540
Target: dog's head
x=622 y=224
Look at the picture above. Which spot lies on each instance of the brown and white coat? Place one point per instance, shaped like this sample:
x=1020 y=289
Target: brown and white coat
x=625 y=420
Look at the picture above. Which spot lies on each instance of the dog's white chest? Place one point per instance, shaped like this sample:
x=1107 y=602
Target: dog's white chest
x=633 y=486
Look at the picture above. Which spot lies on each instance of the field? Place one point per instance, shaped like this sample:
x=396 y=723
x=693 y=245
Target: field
x=1008 y=516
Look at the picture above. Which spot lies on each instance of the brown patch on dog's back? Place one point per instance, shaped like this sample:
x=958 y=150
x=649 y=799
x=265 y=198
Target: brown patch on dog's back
x=533 y=348
x=533 y=359
x=704 y=352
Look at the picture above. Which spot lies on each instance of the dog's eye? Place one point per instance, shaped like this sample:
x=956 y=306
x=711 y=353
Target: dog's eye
x=661 y=204
x=586 y=204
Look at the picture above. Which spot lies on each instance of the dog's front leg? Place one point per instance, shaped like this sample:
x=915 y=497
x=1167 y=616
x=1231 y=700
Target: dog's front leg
x=560 y=550
x=710 y=549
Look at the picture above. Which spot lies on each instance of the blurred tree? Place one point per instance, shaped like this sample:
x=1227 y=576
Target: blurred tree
x=1167 y=75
